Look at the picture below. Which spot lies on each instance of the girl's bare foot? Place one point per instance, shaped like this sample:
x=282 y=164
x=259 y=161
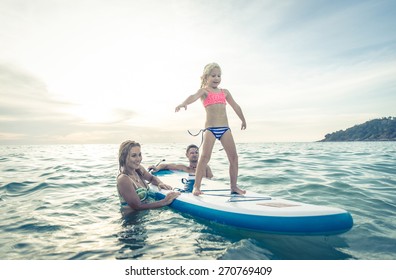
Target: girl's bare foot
x=236 y=190
x=197 y=191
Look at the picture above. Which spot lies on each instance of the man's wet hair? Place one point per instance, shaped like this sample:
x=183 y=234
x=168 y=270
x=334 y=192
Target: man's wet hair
x=191 y=146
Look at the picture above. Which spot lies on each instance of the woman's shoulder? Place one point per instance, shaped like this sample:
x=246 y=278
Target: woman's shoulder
x=123 y=179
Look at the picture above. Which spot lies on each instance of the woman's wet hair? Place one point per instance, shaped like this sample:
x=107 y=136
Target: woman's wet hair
x=125 y=147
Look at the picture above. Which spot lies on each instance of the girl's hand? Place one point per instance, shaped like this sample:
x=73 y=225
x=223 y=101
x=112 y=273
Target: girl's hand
x=180 y=106
x=243 y=126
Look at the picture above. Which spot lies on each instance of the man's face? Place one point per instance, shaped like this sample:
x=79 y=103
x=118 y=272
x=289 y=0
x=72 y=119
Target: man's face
x=192 y=154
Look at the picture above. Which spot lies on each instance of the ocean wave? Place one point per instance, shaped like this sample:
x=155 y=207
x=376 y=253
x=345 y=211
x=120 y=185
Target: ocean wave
x=64 y=199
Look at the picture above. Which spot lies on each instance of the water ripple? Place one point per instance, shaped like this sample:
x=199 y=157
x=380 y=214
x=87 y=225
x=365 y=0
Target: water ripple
x=60 y=202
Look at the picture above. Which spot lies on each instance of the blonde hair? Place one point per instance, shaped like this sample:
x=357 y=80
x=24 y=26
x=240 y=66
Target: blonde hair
x=125 y=147
x=208 y=68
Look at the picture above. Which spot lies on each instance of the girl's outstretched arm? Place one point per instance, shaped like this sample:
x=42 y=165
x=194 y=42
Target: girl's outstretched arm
x=236 y=108
x=191 y=99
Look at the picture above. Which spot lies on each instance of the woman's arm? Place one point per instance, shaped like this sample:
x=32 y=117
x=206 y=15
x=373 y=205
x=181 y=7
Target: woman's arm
x=128 y=192
x=151 y=179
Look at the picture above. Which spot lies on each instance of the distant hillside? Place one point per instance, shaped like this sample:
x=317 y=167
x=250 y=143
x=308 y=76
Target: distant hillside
x=375 y=130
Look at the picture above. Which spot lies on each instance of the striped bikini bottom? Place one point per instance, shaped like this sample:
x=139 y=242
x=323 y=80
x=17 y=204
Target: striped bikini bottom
x=218 y=132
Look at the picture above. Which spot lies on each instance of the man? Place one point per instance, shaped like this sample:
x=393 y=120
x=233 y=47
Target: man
x=192 y=153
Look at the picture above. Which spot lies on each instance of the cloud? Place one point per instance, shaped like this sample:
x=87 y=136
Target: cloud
x=99 y=70
x=28 y=113
x=24 y=99
x=18 y=85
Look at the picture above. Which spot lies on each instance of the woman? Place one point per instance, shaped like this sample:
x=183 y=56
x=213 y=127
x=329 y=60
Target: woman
x=131 y=182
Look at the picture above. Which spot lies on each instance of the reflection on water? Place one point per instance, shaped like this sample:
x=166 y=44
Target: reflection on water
x=132 y=237
x=245 y=244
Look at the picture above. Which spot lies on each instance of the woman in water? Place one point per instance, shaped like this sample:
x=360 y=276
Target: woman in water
x=133 y=180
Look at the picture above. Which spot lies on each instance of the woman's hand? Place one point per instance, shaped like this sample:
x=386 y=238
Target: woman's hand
x=170 y=197
x=164 y=186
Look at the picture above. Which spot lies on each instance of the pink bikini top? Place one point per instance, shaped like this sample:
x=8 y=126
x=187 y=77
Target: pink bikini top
x=214 y=98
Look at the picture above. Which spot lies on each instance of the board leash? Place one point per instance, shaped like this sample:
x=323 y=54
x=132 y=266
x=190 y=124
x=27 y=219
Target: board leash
x=201 y=131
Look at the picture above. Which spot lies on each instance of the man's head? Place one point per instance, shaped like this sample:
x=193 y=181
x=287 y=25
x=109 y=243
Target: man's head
x=192 y=153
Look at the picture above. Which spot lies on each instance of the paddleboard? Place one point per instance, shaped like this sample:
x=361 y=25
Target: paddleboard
x=253 y=211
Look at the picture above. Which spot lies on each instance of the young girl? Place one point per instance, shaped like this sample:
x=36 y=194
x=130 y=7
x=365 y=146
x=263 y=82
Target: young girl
x=216 y=125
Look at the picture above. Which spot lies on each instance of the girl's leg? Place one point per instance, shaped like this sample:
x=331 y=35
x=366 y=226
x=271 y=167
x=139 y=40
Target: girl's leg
x=229 y=146
x=205 y=154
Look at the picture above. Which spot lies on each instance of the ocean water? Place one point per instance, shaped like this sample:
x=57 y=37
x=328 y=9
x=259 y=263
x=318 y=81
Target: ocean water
x=59 y=202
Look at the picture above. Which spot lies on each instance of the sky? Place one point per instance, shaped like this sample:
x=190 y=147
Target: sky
x=104 y=71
